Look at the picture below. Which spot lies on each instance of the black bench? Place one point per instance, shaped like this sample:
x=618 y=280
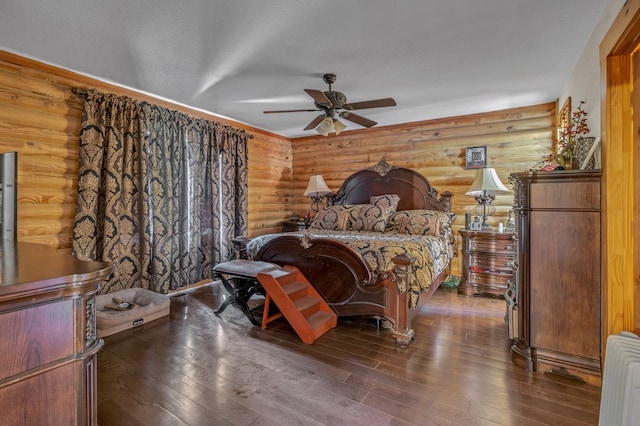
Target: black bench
x=239 y=278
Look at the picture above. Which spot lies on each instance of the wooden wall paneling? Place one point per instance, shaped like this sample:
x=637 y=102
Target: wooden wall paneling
x=269 y=184
x=42 y=125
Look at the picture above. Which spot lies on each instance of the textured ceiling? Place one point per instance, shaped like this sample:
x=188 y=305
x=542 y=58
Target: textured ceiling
x=237 y=58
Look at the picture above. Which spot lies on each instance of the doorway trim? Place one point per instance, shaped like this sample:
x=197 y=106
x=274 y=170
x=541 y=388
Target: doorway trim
x=619 y=74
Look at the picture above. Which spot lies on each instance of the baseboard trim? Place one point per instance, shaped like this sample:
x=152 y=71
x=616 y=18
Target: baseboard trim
x=191 y=287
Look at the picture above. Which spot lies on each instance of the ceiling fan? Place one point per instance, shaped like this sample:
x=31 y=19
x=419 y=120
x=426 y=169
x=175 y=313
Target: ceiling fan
x=331 y=102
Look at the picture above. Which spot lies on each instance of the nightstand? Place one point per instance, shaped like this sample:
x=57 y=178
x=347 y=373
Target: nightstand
x=294 y=226
x=487 y=258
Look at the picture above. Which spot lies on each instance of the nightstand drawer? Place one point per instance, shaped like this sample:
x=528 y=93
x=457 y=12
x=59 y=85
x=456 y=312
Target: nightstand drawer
x=494 y=279
x=491 y=263
x=494 y=246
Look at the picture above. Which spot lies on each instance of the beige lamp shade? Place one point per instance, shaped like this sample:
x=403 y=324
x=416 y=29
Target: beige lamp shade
x=487 y=182
x=326 y=126
x=330 y=125
x=316 y=187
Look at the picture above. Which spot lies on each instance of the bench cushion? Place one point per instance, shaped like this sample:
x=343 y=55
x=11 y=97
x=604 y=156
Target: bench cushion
x=244 y=268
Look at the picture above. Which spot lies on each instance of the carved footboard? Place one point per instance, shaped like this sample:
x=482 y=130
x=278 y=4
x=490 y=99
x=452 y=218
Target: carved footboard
x=345 y=280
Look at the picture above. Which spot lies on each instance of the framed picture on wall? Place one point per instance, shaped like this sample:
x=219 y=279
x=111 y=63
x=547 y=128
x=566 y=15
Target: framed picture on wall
x=476 y=157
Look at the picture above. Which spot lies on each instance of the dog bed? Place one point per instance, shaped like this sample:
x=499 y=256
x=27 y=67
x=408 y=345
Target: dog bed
x=114 y=317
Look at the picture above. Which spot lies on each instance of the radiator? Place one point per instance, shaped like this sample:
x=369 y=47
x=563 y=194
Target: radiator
x=620 y=399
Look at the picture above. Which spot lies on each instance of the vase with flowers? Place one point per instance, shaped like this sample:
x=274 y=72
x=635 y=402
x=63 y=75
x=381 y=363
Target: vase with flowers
x=563 y=152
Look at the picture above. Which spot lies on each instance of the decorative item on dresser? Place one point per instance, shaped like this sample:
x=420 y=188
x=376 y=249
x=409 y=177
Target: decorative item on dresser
x=48 y=332
x=571 y=141
x=585 y=153
x=486 y=262
x=557 y=290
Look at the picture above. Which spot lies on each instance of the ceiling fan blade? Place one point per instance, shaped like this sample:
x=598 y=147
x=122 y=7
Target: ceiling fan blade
x=289 y=110
x=358 y=119
x=376 y=103
x=315 y=122
x=319 y=97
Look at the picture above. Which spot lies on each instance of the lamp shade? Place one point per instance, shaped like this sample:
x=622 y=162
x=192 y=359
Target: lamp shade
x=339 y=126
x=330 y=125
x=316 y=187
x=326 y=126
x=487 y=182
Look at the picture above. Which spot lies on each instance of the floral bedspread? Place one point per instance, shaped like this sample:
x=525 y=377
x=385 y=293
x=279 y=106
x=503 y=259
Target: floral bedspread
x=430 y=255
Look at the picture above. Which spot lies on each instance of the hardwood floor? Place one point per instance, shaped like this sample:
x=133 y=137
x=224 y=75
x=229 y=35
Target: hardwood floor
x=199 y=369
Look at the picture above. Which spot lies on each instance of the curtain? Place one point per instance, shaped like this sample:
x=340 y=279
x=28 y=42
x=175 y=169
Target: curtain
x=160 y=194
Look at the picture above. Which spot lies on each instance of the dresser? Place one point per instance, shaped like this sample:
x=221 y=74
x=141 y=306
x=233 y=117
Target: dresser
x=487 y=259
x=558 y=277
x=48 y=332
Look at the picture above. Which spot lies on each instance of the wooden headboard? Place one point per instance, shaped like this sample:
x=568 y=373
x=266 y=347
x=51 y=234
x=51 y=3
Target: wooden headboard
x=414 y=190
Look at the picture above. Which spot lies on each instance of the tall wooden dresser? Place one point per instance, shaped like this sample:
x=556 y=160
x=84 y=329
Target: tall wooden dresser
x=48 y=341
x=558 y=280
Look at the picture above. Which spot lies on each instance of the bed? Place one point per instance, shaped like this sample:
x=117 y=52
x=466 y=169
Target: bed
x=381 y=247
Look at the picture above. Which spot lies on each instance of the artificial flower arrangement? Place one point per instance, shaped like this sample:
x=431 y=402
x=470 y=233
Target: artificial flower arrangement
x=564 y=150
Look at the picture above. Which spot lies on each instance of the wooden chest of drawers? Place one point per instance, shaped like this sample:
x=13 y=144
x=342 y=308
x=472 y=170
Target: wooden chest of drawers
x=486 y=262
x=558 y=278
x=48 y=364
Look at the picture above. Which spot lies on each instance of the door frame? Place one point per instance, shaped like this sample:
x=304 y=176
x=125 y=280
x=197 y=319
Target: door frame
x=620 y=179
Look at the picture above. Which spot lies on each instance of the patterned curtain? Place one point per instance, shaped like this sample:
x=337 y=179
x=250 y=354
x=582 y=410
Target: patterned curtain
x=160 y=194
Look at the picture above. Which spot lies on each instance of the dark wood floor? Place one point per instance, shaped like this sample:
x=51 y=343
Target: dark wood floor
x=199 y=369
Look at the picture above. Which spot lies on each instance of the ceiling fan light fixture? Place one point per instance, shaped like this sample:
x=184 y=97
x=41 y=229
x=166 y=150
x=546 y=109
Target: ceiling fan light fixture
x=330 y=102
x=326 y=126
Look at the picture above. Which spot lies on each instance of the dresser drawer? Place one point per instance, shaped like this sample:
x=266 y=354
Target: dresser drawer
x=569 y=195
x=35 y=337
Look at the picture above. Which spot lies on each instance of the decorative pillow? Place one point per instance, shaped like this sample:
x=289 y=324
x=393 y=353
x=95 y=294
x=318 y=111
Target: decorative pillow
x=444 y=224
x=371 y=218
x=387 y=201
x=419 y=222
x=356 y=217
x=330 y=218
x=350 y=217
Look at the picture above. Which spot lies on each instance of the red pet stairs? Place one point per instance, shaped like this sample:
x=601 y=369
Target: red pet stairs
x=298 y=302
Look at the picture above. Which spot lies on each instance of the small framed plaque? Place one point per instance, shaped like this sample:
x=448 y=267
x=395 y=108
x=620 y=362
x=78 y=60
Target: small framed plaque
x=476 y=157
